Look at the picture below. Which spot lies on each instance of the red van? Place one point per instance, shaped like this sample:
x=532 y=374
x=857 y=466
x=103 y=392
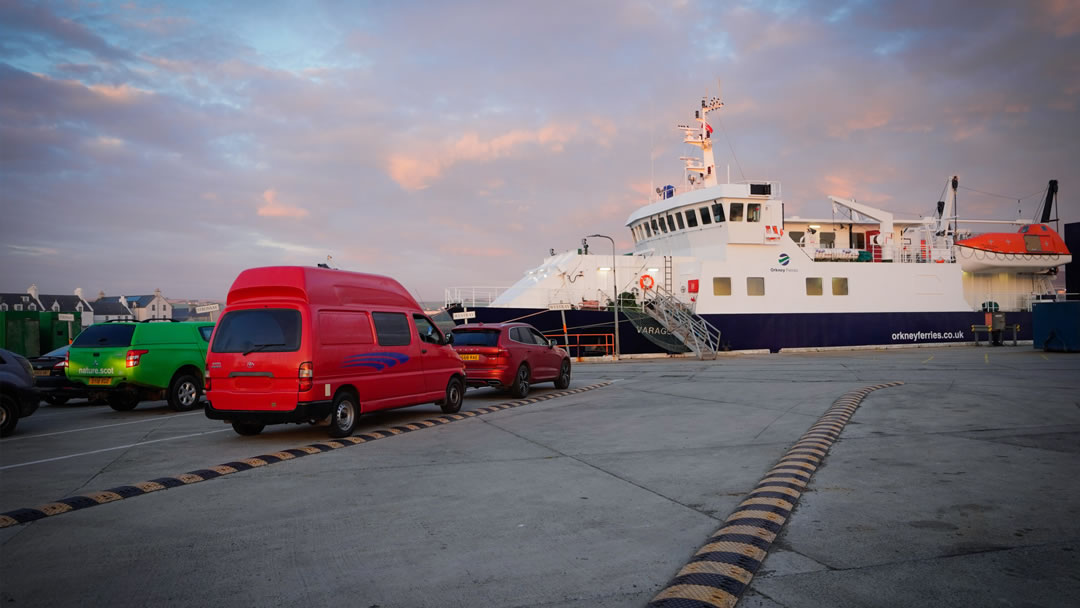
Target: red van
x=299 y=344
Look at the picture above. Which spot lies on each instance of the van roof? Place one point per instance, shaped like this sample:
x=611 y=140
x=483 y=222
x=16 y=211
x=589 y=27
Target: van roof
x=321 y=286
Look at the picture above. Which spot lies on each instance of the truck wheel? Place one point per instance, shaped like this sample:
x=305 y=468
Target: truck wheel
x=344 y=415
x=9 y=415
x=563 y=381
x=248 y=429
x=184 y=392
x=455 y=394
x=123 y=401
x=520 y=388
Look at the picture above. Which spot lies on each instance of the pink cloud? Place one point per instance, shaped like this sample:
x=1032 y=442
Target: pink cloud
x=1061 y=17
x=274 y=208
x=416 y=172
x=476 y=252
x=871 y=118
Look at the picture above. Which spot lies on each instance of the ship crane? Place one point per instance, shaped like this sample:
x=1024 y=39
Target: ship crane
x=884 y=218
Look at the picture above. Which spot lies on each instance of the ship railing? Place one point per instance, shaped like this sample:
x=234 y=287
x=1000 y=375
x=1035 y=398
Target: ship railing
x=680 y=320
x=584 y=345
x=471 y=296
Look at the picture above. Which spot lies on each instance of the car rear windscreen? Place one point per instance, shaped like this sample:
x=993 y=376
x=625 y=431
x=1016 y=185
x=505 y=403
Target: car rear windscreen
x=105 y=335
x=476 y=337
x=266 y=330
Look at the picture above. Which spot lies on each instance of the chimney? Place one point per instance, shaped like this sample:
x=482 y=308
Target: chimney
x=33 y=291
x=101 y=295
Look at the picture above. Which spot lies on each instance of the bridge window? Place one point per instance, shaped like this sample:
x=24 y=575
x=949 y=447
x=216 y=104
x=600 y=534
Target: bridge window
x=753 y=212
x=721 y=286
x=813 y=286
x=663 y=226
x=736 y=212
x=839 y=286
x=678 y=220
x=670 y=224
x=718 y=212
x=706 y=219
x=691 y=219
x=648 y=231
x=761 y=189
x=654 y=228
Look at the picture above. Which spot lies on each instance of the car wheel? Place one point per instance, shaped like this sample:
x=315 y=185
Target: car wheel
x=9 y=415
x=248 y=429
x=56 y=400
x=520 y=388
x=184 y=392
x=123 y=401
x=563 y=381
x=455 y=394
x=344 y=415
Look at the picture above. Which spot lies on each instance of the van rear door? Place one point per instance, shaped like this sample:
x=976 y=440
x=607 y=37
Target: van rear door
x=254 y=359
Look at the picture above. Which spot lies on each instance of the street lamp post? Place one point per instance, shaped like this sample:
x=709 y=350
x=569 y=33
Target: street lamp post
x=615 y=285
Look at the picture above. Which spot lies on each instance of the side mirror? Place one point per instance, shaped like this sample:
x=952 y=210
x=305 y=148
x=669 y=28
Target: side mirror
x=449 y=338
x=552 y=343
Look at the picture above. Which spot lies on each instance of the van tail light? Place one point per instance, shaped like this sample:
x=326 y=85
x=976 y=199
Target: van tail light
x=206 y=380
x=133 y=357
x=307 y=376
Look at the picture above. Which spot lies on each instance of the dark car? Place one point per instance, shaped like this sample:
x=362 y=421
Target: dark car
x=18 y=397
x=510 y=356
x=52 y=382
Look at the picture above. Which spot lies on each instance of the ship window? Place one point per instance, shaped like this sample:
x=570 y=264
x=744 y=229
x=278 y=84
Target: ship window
x=663 y=226
x=1031 y=241
x=678 y=220
x=1024 y=229
x=654 y=228
x=796 y=235
x=691 y=219
x=705 y=217
x=718 y=212
x=736 y=212
x=648 y=231
x=755 y=286
x=670 y=224
x=858 y=240
x=839 y=286
x=813 y=286
x=828 y=240
x=761 y=189
x=721 y=286
x=753 y=212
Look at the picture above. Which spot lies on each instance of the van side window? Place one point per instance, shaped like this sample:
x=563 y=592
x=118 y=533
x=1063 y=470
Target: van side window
x=427 y=330
x=392 y=328
x=344 y=327
x=205 y=332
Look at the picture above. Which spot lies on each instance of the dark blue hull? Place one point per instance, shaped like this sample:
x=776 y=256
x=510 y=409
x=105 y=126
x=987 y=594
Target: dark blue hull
x=777 y=331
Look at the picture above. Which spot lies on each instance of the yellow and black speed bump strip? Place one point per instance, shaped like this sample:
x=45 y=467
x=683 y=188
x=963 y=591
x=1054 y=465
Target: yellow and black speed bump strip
x=721 y=570
x=83 y=501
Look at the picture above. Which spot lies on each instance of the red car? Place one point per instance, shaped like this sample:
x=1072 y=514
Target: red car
x=510 y=356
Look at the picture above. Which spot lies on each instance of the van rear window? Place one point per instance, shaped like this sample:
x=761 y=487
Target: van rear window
x=267 y=330
x=476 y=337
x=105 y=334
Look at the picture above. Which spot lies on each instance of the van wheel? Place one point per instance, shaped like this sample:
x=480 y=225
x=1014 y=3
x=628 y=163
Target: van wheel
x=123 y=401
x=563 y=381
x=520 y=388
x=184 y=392
x=455 y=394
x=248 y=429
x=9 y=415
x=344 y=415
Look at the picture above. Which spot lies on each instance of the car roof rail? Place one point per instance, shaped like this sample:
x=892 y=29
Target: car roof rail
x=152 y=320
x=121 y=321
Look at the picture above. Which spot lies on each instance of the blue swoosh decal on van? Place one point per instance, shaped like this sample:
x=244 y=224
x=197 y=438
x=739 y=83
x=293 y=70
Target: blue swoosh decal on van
x=376 y=361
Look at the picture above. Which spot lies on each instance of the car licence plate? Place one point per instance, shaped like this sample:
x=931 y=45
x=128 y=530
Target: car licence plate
x=470 y=357
x=100 y=381
x=41 y=372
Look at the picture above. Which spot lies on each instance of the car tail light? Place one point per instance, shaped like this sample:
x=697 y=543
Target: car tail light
x=134 y=355
x=307 y=376
x=206 y=380
x=502 y=353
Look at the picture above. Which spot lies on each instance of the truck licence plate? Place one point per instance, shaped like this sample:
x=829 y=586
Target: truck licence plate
x=100 y=381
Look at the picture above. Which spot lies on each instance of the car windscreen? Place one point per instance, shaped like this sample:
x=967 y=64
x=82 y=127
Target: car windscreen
x=105 y=335
x=476 y=337
x=267 y=330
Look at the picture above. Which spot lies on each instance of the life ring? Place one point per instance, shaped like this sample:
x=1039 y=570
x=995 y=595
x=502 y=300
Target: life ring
x=646 y=282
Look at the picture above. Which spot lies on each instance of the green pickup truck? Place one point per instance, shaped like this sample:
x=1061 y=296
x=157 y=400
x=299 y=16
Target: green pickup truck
x=130 y=362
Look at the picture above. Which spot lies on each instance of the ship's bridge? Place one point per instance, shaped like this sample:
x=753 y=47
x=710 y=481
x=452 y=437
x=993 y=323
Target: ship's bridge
x=703 y=221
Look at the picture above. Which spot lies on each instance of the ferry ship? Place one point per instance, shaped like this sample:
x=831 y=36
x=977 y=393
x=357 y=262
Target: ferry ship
x=717 y=266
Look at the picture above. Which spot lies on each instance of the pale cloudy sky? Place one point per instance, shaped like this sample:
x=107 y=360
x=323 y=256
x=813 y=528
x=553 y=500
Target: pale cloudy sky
x=172 y=144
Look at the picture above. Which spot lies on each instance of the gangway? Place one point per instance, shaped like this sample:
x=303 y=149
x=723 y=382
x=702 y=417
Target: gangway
x=696 y=333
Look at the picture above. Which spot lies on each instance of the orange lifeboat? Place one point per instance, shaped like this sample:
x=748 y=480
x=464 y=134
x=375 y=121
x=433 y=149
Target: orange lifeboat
x=1034 y=248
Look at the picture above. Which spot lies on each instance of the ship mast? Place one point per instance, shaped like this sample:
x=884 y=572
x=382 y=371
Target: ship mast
x=701 y=170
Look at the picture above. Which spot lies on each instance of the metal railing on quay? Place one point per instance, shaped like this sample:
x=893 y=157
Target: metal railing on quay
x=585 y=345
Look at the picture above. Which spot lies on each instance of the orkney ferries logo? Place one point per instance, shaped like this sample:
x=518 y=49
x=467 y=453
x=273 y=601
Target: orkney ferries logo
x=783 y=259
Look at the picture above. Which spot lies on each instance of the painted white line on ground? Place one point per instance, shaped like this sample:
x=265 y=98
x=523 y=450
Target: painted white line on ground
x=119 y=447
x=90 y=428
